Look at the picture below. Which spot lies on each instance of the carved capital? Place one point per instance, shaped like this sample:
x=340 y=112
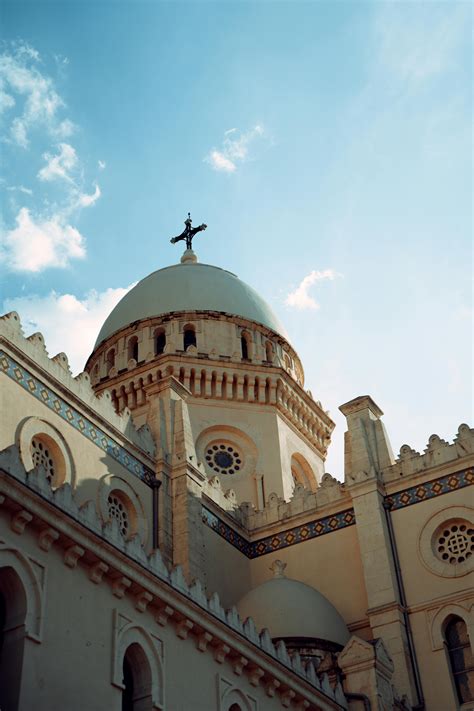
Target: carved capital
x=221 y=652
x=287 y=697
x=163 y=614
x=183 y=628
x=255 y=674
x=238 y=664
x=72 y=555
x=203 y=640
x=120 y=586
x=97 y=571
x=142 y=600
x=46 y=538
x=271 y=687
x=20 y=520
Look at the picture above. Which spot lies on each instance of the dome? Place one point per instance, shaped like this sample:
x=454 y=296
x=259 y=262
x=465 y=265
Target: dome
x=189 y=286
x=289 y=608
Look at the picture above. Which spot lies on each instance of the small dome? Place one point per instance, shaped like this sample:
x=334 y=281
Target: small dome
x=189 y=286
x=289 y=608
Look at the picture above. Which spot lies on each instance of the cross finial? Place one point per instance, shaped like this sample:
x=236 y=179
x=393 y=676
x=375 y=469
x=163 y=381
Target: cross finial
x=278 y=569
x=189 y=232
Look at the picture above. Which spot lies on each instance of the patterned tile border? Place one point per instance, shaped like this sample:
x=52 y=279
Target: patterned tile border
x=328 y=524
x=277 y=541
x=431 y=489
x=55 y=403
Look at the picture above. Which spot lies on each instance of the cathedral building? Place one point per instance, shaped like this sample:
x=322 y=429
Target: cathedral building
x=169 y=538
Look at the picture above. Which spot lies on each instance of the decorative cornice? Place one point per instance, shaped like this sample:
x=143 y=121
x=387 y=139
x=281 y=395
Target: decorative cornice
x=333 y=522
x=73 y=417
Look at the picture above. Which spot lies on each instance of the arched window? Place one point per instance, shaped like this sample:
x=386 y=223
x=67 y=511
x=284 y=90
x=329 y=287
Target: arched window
x=235 y=707
x=460 y=659
x=189 y=337
x=110 y=360
x=137 y=692
x=160 y=342
x=12 y=634
x=244 y=344
x=133 y=348
x=268 y=352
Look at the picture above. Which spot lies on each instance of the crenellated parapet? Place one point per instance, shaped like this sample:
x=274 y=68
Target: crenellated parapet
x=303 y=502
x=57 y=370
x=436 y=453
x=56 y=519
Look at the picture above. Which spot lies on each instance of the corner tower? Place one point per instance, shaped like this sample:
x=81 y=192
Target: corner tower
x=248 y=419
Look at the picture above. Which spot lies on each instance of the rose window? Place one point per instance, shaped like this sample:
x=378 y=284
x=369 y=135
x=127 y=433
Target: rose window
x=223 y=459
x=42 y=456
x=118 y=511
x=455 y=542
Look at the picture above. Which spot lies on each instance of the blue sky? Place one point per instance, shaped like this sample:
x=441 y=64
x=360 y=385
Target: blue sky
x=327 y=146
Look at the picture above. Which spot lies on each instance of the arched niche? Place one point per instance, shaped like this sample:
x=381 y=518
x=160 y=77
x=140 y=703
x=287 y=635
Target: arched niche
x=139 y=652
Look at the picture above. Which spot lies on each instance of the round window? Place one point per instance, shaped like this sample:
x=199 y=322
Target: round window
x=42 y=456
x=118 y=510
x=454 y=542
x=223 y=458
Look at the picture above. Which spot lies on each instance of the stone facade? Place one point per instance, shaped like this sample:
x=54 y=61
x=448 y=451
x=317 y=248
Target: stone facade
x=143 y=499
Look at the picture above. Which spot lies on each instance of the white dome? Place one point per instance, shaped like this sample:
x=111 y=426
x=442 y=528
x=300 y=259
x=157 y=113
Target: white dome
x=289 y=608
x=189 y=286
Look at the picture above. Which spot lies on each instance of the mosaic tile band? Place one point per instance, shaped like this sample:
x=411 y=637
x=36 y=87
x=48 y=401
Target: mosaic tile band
x=54 y=402
x=431 y=489
x=328 y=524
x=277 y=541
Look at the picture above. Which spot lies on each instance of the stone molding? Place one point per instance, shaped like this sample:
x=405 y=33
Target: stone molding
x=78 y=388
x=126 y=561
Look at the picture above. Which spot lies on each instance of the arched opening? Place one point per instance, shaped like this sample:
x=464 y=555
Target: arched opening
x=137 y=681
x=269 y=352
x=133 y=348
x=189 y=337
x=160 y=341
x=245 y=345
x=235 y=707
x=12 y=636
x=302 y=472
x=110 y=360
x=460 y=658
x=46 y=453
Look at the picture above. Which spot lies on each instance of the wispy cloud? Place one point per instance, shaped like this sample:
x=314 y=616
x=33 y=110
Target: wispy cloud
x=23 y=85
x=43 y=235
x=101 y=164
x=59 y=166
x=235 y=149
x=68 y=324
x=300 y=298
x=415 y=45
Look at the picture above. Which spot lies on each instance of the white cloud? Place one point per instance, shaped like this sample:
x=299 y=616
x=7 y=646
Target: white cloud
x=59 y=165
x=299 y=298
x=235 y=149
x=219 y=162
x=68 y=324
x=101 y=164
x=34 y=245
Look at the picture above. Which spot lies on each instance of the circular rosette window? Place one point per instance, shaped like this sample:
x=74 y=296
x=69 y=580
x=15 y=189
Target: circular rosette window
x=223 y=458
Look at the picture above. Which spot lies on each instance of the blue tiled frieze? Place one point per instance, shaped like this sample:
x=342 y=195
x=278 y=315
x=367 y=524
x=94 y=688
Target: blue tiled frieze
x=277 y=541
x=63 y=409
x=431 y=489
